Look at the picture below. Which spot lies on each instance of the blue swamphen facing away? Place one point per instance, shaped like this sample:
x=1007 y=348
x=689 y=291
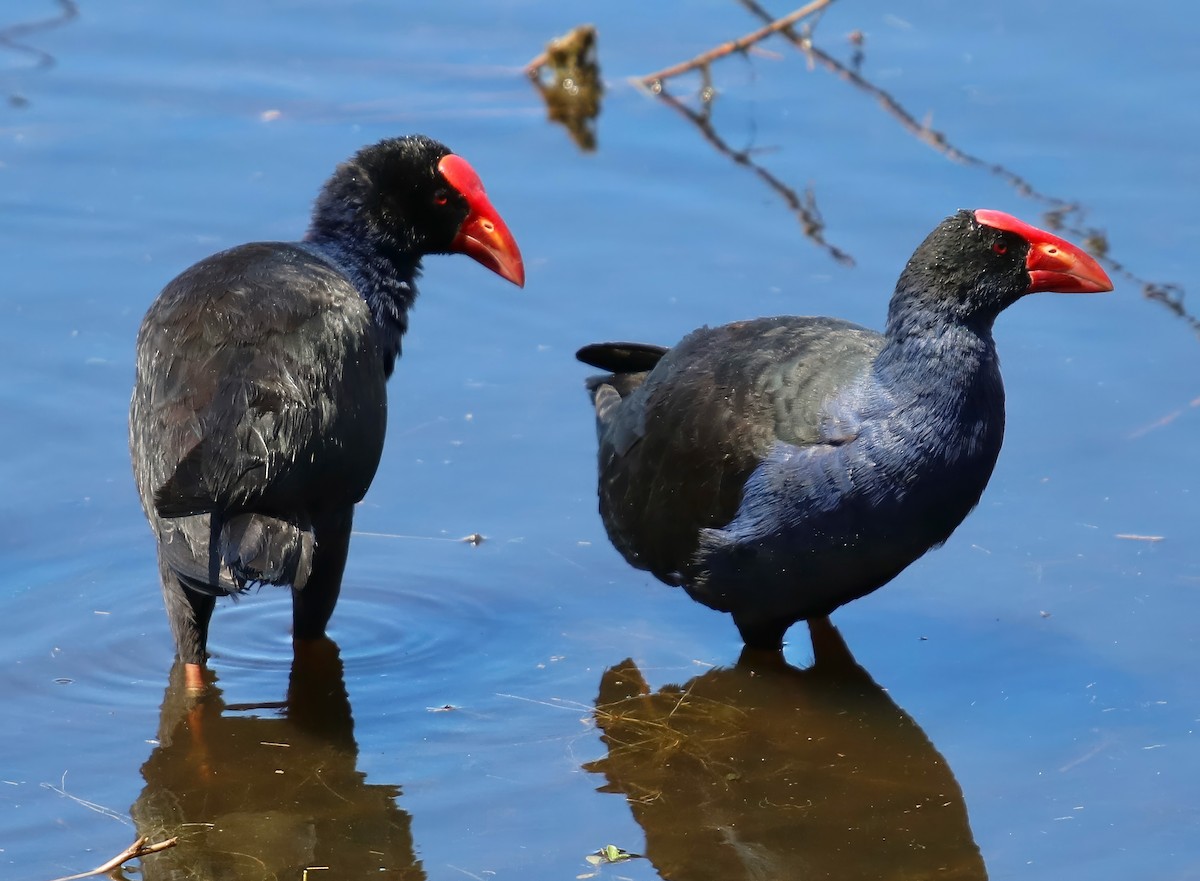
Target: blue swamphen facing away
x=782 y=467
x=259 y=408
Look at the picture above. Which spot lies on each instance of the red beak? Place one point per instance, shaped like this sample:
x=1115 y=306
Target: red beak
x=483 y=236
x=1054 y=264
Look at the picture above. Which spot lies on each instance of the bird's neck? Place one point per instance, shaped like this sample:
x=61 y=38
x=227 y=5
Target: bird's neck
x=922 y=337
x=939 y=378
x=385 y=279
x=931 y=414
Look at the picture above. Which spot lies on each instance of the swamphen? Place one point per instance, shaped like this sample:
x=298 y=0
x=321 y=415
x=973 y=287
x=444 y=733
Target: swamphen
x=259 y=408
x=782 y=467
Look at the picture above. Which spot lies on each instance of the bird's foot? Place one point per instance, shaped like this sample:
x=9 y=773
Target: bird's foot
x=193 y=678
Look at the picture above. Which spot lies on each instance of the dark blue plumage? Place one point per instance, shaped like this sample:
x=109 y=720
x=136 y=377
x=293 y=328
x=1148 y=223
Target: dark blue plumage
x=782 y=467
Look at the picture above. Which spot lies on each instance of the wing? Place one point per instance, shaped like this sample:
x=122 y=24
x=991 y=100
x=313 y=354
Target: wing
x=258 y=385
x=677 y=451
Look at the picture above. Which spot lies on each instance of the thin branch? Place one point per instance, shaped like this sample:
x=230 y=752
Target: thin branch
x=135 y=851
x=921 y=130
x=533 y=69
x=804 y=208
x=1061 y=214
x=573 y=88
x=654 y=80
x=90 y=805
x=10 y=35
x=474 y=538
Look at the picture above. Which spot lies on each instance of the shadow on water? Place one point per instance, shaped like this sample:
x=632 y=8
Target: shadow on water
x=253 y=796
x=12 y=36
x=764 y=770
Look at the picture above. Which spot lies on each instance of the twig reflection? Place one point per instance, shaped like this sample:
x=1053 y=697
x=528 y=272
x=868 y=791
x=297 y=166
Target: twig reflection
x=701 y=61
x=1061 y=214
x=573 y=90
x=11 y=38
x=804 y=207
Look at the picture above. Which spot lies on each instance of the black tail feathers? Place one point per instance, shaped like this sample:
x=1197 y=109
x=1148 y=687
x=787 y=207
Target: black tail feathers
x=267 y=550
x=621 y=357
x=230 y=555
x=627 y=363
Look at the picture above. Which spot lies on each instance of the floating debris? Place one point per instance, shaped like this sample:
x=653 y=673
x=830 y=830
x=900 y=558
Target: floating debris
x=610 y=853
x=573 y=89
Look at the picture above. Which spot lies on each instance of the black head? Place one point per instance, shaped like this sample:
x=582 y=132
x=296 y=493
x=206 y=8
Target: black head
x=977 y=263
x=411 y=196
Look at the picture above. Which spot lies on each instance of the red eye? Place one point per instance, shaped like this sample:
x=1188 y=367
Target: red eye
x=1000 y=248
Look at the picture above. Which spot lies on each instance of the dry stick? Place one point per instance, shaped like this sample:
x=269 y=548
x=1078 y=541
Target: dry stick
x=534 y=68
x=138 y=849
x=805 y=209
x=921 y=131
x=10 y=35
x=738 y=45
x=1169 y=295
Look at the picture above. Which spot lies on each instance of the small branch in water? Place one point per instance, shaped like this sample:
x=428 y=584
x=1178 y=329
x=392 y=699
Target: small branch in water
x=1060 y=213
x=90 y=805
x=654 y=81
x=921 y=130
x=805 y=208
x=1164 y=421
x=135 y=851
x=474 y=538
x=10 y=35
x=567 y=76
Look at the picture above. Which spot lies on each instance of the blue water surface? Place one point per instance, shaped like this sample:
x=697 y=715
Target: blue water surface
x=1048 y=651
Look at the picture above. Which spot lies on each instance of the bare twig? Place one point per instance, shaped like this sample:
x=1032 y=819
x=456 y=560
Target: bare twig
x=921 y=130
x=1164 y=421
x=654 y=80
x=11 y=35
x=1061 y=213
x=136 y=850
x=90 y=805
x=534 y=68
x=468 y=539
x=567 y=76
x=804 y=208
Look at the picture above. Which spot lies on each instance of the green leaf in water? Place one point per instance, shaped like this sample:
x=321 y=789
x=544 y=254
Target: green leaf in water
x=610 y=853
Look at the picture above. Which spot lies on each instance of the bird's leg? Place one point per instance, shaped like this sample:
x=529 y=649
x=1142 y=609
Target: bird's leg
x=189 y=613
x=317 y=700
x=313 y=604
x=832 y=657
x=759 y=633
x=193 y=677
x=827 y=643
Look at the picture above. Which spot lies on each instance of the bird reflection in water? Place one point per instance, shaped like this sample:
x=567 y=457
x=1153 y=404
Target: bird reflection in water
x=255 y=796
x=767 y=771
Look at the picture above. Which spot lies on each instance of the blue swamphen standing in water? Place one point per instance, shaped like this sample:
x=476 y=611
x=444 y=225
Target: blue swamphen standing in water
x=260 y=403
x=779 y=468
